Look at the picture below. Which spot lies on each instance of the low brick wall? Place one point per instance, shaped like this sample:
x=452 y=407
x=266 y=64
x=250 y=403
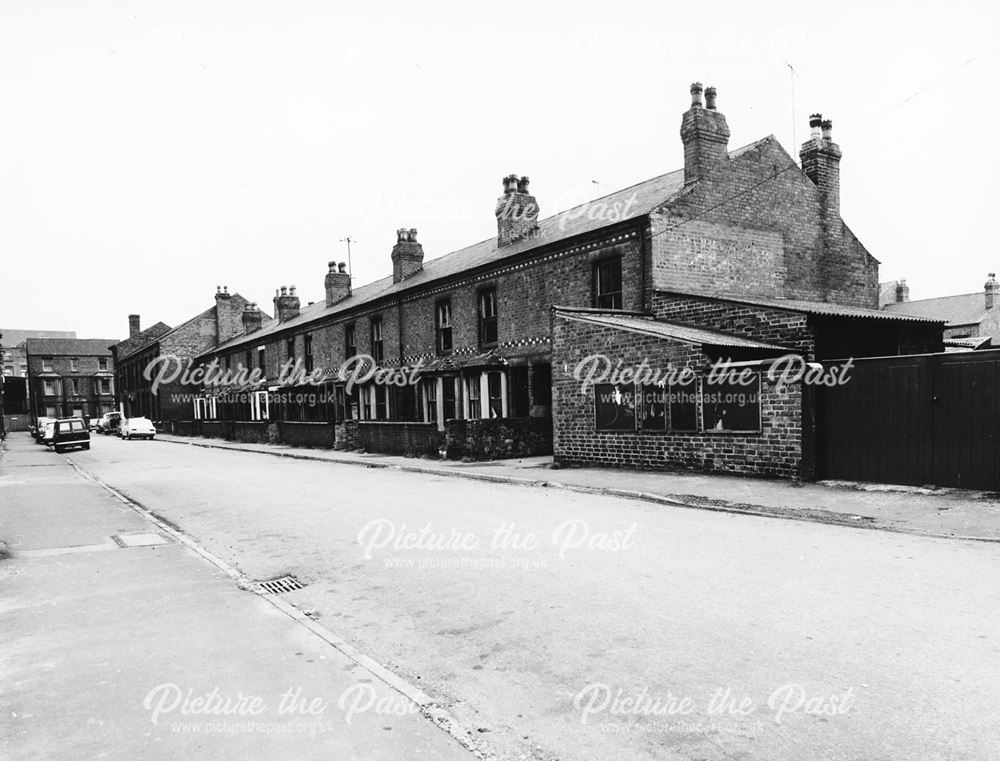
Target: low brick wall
x=300 y=434
x=246 y=431
x=498 y=438
x=389 y=437
x=345 y=435
x=212 y=429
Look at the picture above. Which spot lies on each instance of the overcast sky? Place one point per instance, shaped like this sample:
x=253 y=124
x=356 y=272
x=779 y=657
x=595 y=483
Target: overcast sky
x=150 y=151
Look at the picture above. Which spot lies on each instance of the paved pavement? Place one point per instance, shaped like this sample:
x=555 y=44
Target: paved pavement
x=558 y=624
x=151 y=652
x=931 y=512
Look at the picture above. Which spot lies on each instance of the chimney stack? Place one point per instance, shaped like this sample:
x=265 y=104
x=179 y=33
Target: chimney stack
x=705 y=135
x=338 y=283
x=902 y=291
x=992 y=290
x=286 y=304
x=821 y=163
x=252 y=318
x=227 y=314
x=516 y=211
x=133 y=325
x=407 y=255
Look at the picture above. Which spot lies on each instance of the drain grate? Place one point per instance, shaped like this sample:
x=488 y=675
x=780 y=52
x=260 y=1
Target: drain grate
x=280 y=585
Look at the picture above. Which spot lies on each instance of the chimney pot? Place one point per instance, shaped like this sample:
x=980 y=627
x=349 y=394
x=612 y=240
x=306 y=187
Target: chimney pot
x=710 y=95
x=815 y=121
x=342 y=268
x=291 y=290
x=827 y=126
x=902 y=291
x=332 y=266
x=696 y=90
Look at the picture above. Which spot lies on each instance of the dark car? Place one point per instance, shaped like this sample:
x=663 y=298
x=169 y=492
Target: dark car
x=70 y=432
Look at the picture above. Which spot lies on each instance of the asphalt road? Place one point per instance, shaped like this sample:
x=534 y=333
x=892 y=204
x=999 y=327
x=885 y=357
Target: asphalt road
x=148 y=651
x=584 y=627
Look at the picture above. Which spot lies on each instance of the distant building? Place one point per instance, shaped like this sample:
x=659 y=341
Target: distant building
x=14 y=405
x=70 y=377
x=13 y=354
x=972 y=320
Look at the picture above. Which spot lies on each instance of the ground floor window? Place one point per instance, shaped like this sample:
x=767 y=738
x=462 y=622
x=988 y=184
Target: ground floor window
x=614 y=407
x=731 y=406
x=718 y=406
x=260 y=405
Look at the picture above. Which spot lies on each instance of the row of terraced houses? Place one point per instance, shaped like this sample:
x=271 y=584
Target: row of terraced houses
x=739 y=255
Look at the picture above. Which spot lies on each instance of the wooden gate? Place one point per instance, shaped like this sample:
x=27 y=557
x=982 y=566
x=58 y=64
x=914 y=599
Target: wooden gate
x=925 y=419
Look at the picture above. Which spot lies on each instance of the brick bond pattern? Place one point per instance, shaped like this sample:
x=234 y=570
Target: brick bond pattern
x=775 y=451
x=737 y=213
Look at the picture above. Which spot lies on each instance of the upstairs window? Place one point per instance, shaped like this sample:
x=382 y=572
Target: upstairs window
x=261 y=359
x=350 y=341
x=290 y=348
x=102 y=363
x=377 y=346
x=488 y=317
x=46 y=364
x=307 y=350
x=248 y=360
x=442 y=324
x=608 y=283
x=74 y=365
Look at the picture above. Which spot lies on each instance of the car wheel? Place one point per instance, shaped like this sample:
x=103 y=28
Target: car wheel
x=86 y=446
x=59 y=450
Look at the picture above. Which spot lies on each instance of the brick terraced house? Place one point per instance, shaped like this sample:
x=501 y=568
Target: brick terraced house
x=739 y=255
x=135 y=397
x=70 y=377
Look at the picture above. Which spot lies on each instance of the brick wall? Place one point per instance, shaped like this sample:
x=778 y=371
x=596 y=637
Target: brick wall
x=411 y=439
x=784 y=328
x=498 y=438
x=760 y=194
x=301 y=434
x=776 y=450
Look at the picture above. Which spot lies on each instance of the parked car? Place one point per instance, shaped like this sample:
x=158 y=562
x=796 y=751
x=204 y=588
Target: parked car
x=70 y=432
x=137 y=428
x=47 y=431
x=109 y=422
x=38 y=428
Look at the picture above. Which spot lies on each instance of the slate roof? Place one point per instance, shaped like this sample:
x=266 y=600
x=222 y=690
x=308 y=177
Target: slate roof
x=809 y=307
x=964 y=309
x=70 y=347
x=12 y=337
x=646 y=324
x=648 y=195
x=130 y=346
